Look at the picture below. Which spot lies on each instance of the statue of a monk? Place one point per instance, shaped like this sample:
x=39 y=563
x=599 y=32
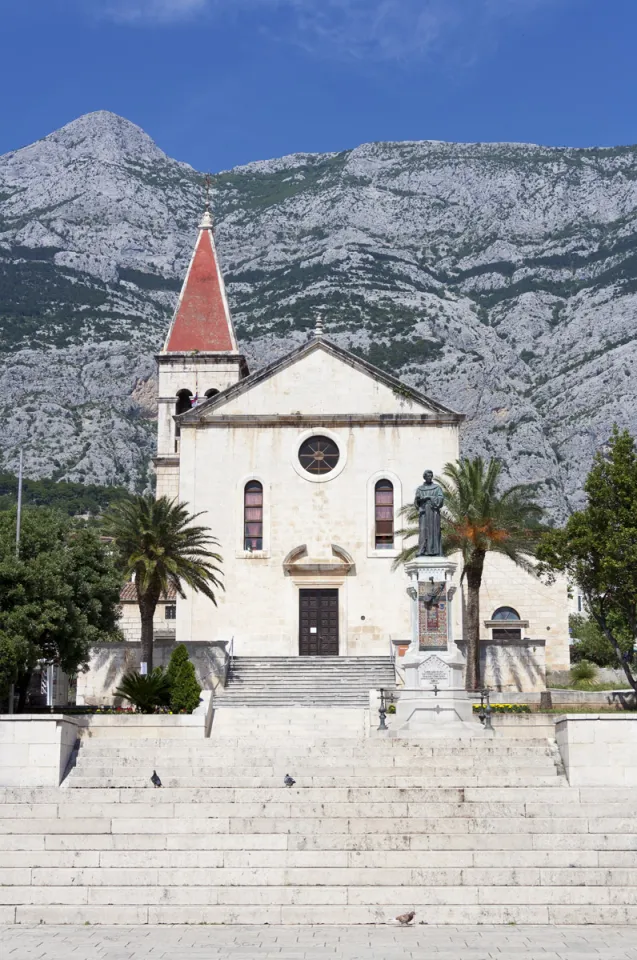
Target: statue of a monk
x=429 y=501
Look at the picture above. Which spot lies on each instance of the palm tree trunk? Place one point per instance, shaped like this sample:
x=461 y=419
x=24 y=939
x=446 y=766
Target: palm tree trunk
x=147 y=613
x=473 y=575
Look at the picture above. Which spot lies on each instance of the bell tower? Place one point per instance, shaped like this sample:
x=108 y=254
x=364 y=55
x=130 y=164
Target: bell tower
x=200 y=357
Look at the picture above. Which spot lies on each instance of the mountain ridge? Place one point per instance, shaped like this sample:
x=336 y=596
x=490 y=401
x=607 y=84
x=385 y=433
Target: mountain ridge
x=499 y=278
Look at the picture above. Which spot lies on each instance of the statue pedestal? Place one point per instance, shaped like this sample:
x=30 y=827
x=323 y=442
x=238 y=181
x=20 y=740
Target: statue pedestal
x=433 y=702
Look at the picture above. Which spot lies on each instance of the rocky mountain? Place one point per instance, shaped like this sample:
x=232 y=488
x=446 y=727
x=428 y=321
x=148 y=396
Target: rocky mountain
x=500 y=278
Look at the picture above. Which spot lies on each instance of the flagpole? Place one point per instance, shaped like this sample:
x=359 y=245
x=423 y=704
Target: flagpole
x=17 y=551
x=19 y=516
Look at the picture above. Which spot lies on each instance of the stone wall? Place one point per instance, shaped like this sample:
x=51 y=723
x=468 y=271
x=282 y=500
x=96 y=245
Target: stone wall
x=110 y=661
x=598 y=749
x=511 y=666
x=35 y=748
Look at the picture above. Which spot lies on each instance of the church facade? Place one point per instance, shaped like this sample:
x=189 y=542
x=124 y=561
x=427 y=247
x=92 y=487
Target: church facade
x=301 y=470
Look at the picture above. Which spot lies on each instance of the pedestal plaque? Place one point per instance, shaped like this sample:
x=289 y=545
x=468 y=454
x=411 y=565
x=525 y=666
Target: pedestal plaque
x=434 y=672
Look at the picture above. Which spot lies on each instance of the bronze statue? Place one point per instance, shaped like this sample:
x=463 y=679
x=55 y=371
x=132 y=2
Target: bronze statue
x=429 y=501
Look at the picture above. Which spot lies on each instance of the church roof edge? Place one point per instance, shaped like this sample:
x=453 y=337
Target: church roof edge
x=316 y=342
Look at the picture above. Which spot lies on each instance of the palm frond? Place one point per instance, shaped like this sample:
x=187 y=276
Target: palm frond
x=160 y=545
x=477 y=518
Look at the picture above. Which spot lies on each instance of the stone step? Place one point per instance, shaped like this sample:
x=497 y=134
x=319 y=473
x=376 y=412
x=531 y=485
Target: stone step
x=612 y=848
x=466 y=913
x=290 y=700
x=365 y=780
x=275 y=757
x=297 y=808
x=310 y=663
x=369 y=859
x=304 y=681
x=213 y=749
x=557 y=793
x=138 y=822
x=333 y=765
x=306 y=776
x=342 y=743
x=379 y=880
x=367 y=748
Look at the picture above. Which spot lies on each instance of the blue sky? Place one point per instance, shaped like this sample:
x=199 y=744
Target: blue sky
x=222 y=82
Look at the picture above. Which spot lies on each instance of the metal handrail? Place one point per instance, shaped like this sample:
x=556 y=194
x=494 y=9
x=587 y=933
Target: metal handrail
x=229 y=660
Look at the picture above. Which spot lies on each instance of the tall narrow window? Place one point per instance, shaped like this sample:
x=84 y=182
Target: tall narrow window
x=384 y=515
x=253 y=516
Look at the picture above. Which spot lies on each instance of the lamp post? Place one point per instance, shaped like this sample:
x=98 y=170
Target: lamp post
x=17 y=550
x=382 y=711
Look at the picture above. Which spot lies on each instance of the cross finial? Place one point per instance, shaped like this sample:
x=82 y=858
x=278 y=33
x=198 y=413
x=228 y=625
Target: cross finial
x=206 y=221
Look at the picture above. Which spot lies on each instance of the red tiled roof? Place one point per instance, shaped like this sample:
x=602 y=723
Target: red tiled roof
x=202 y=320
x=128 y=594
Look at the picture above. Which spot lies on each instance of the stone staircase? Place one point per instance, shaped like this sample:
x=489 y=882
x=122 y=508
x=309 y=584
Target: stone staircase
x=472 y=831
x=305 y=681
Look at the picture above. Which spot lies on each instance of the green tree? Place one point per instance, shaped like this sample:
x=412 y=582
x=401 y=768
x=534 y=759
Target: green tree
x=597 y=548
x=184 y=689
x=158 y=545
x=478 y=518
x=589 y=643
x=57 y=597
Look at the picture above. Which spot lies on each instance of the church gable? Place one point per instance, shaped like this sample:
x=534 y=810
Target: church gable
x=319 y=379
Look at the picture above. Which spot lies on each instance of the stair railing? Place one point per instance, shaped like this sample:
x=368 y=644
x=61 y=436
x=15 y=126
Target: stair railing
x=229 y=661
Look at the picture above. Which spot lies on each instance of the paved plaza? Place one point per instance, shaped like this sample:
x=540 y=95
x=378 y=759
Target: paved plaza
x=308 y=943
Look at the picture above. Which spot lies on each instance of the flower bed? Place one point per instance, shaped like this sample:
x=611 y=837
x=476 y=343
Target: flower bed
x=505 y=708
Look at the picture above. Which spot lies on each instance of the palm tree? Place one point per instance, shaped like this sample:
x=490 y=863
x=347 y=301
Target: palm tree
x=159 y=547
x=477 y=519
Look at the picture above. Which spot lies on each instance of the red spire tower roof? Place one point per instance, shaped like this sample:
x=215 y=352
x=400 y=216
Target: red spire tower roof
x=202 y=319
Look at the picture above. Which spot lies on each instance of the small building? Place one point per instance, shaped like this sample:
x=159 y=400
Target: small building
x=130 y=622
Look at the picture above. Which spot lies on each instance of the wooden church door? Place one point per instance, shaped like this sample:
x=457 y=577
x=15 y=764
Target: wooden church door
x=318 y=623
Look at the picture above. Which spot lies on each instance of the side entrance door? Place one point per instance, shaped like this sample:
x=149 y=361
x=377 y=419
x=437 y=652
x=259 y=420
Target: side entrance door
x=318 y=623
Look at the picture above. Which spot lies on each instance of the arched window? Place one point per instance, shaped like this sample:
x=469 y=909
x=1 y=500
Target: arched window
x=253 y=516
x=184 y=401
x=212 y=392
x=507 y=615
x=384 y=515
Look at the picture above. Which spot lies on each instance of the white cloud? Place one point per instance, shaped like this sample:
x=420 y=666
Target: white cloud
x=352 y=29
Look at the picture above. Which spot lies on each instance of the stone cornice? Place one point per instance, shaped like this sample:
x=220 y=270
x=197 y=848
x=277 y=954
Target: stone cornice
x=327 y=420
x=205 y=359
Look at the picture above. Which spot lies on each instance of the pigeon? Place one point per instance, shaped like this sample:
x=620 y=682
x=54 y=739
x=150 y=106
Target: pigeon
x=155 y=779
x=406 y=918
x=288 y=781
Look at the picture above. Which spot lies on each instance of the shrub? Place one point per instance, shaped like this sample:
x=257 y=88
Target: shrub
x=583 y=675
x=184 y=688
x=146 y=693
